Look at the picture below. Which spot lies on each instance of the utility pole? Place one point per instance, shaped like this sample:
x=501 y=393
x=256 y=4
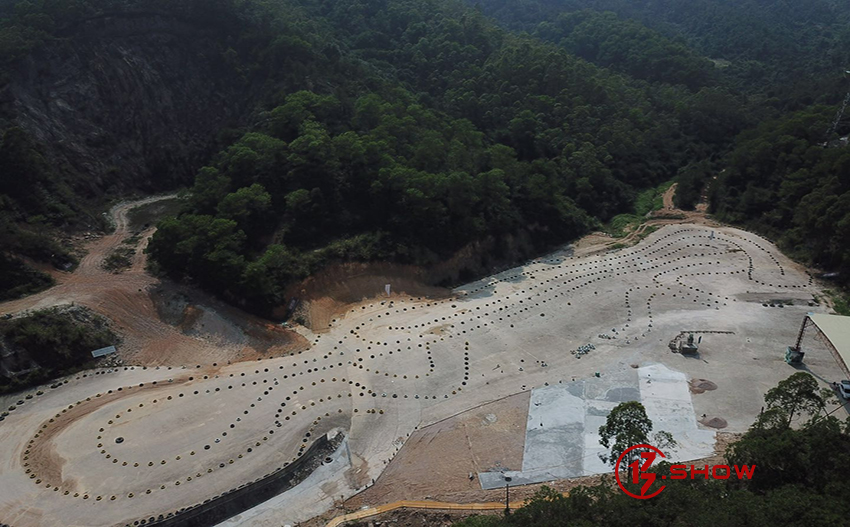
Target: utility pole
x=507 y=496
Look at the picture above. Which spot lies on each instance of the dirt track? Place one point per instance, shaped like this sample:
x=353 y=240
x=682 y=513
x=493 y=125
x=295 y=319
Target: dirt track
x=668 y=197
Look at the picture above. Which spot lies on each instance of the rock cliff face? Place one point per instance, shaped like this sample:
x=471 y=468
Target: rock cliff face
x=127 y=101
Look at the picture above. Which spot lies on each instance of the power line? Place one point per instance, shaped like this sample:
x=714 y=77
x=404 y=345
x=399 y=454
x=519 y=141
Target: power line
x=838 y=117
x=840 y=112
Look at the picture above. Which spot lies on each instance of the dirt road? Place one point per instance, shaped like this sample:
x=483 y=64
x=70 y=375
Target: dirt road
x=126 y=300
x=668 y=197
x=76 y=286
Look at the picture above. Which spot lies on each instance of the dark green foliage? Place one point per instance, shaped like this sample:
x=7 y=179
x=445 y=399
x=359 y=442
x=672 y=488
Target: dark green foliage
x=33 y=204
x=50 y=343
x=29 y=186
x=795 y=397
x=26 y=25
x=462 y=132
x=427 y=182
x=690 y=183
x=491 y=134
x=18 y=279
x=202 y=247
x=146 y=216
x=777 y=48
x=627 y=425
x=408 y=129
x=629 y=47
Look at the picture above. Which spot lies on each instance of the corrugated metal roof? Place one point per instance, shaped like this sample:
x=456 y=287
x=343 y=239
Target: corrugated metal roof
x=103 y=351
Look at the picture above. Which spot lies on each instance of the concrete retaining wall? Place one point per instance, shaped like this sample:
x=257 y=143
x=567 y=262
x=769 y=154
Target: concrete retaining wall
x=250 y=495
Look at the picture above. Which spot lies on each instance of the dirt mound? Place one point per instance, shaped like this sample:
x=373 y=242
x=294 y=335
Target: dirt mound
x=714 y=422
x=701 y=386
x=327 y=294
x=490 y=437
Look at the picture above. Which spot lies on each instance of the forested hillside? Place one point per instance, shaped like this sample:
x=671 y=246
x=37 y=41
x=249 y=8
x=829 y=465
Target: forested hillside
x=782 y=181
x=103 y=99
x=629 y=46
x=791 y=51
x=778 y=74
x=481 y=134
x=401 y=130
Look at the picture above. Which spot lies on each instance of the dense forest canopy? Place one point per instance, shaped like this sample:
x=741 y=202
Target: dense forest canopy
x=772 y=47
x=406 y=130
x=483 y=134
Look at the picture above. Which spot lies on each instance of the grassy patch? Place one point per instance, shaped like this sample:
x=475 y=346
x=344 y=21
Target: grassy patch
x=144 y=216
x=647 y=201
x=651 y=199
x=647 y=231
x=622 y=224
x=840 y=302
x=668 y=216
x=120 y=259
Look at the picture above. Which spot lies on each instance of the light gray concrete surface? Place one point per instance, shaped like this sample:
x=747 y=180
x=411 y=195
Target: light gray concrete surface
x=562 y=436
x=667 y=398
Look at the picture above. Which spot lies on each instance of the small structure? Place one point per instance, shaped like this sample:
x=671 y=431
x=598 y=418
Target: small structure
x=794 y=355
x=109 y=350
x=690 y=346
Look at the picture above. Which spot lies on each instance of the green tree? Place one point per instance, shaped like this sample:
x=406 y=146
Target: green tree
x=250 y=208
x=265 y=279
x=209 y=188
x=626 y=426
x=796 y=396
